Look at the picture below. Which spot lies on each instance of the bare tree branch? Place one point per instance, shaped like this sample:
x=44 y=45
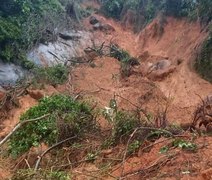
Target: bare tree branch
x=20 y=124
x=46 y=151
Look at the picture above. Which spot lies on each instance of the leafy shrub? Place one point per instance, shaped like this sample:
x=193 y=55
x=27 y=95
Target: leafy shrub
x=123 y=122
x=180 y=143
x=164 y=149
x=54 y=75
x=118 y=53
x=8 y=30
x=134 y=146
x=126 y=60
x=67 y=118
x=205 y=11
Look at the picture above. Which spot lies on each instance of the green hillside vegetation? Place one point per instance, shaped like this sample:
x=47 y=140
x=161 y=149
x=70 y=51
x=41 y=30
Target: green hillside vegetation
x=149 y=9
x=24 y=24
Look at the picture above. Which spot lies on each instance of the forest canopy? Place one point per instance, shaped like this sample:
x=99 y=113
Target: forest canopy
x=149 y=8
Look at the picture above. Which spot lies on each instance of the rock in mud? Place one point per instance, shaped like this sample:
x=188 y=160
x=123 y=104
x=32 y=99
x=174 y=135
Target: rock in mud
x=161 y=65
x=61 y=51
x=97 y=26
x=107 y=28
x=161 y=74
x=160 y=70
x=93 y=20
x=36 y=94
x=69 y=36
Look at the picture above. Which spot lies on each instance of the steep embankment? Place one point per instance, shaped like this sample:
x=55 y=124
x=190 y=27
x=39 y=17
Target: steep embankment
x=178 y=45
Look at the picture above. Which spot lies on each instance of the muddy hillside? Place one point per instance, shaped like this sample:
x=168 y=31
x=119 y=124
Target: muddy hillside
x=106 y=90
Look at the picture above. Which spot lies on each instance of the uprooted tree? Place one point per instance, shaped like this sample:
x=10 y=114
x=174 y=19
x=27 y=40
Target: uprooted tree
x=203 y=114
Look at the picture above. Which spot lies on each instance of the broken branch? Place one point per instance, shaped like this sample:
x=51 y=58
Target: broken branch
x=19 y=125
x=46 y=151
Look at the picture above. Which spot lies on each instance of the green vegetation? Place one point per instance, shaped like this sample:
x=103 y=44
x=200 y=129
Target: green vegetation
x=147 y=10
x=91 y=156
x=67 y=118
x=54 y=75
x=164 y=149
x=119 y=54
x=20 y=25
x=125 y=123
x=25 y=23
x=179 y=143
x=186 y=145
x=134 y=146
x=125 y=58
x=113 y=8
x=32 y=175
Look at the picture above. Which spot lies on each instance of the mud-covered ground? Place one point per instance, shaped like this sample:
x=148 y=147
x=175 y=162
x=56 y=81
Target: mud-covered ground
x=175 y=81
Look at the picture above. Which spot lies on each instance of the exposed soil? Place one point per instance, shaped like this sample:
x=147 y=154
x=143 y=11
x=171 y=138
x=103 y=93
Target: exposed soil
x=180 y=165
x=150 y=90
x=179 y=44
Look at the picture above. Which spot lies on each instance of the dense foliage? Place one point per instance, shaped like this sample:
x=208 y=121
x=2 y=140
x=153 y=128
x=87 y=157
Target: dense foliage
x=66 y=118
x=150 y=8
x=25 y=23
